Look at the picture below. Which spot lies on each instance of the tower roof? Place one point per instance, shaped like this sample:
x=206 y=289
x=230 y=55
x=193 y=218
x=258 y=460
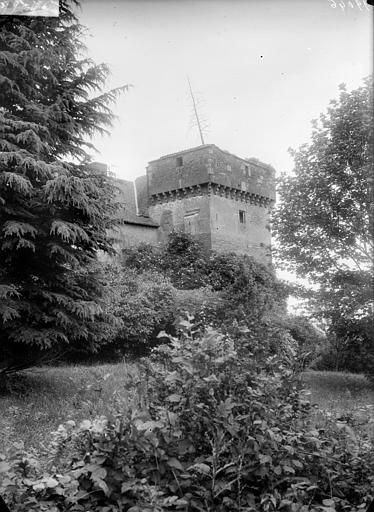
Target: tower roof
x=196 y=148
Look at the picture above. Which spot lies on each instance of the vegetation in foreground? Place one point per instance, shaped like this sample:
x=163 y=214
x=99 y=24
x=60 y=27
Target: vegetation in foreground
x=214 y=420
x=205 y=427
x=29 y=413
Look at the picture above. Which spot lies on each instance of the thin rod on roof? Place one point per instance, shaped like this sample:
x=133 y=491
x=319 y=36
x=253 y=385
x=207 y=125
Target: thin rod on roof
x=136 y=198
x=196 y=113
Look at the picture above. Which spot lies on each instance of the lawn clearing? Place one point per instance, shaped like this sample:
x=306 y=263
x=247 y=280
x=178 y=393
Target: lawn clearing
x=345 y=395
x=44 y=398
x=339 y=391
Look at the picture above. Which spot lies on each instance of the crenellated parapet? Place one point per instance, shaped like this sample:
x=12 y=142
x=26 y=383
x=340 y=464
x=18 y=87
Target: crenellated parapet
x=209 y=189
x=222 y=200
x=209 y=164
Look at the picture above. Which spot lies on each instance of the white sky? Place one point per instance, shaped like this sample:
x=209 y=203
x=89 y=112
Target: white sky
x=264 y=69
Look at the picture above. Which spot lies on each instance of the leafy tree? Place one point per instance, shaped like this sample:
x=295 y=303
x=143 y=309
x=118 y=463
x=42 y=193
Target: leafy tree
x=308 y=338
x=54 y=207
x=324 y=220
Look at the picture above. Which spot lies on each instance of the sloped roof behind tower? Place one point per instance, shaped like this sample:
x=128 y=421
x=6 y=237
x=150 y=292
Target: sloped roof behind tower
x=132 y=209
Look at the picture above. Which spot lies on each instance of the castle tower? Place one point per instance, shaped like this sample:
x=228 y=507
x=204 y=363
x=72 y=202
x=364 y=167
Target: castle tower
x=221 y=199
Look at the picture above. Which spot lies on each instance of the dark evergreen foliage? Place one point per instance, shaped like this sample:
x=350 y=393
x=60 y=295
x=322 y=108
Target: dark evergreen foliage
x=54 y=207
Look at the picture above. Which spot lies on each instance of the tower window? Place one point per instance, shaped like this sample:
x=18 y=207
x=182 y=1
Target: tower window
x=247 y=172
x=242 y=216
x=179 y=161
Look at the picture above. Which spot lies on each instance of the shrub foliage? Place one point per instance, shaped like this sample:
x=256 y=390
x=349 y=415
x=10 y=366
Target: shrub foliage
x=236 y=287
x=214 y=431
x=143 y=305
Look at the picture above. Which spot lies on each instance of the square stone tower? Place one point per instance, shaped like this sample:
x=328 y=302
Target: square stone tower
x=221 y=199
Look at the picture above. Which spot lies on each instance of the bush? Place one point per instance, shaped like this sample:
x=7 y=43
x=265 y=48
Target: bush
x=182 y=260
x=245 y=289
x=309 y=340
x=153 y=286
x=214 y=431
x=349 y=347
x=227 y=291
x=204 y=304
x=143 y=303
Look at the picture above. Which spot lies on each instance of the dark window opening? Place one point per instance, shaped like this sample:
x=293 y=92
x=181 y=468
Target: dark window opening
x=242 y=216
x=246 y=168
x=179 y=161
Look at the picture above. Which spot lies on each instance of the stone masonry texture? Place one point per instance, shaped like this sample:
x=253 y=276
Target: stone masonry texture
x=217 y=197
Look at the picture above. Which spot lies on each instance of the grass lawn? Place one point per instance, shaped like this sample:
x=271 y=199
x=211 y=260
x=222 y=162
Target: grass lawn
x=44 y=398
x=342 y=394
x=339 y=391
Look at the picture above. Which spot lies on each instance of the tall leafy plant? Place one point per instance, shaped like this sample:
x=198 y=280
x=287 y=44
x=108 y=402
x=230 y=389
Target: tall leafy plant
x=213 y=431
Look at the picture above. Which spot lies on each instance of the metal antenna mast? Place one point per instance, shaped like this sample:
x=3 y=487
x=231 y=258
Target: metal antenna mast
x=196 y=113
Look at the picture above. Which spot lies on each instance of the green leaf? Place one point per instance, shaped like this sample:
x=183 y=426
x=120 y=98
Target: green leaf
x=329 y=503
x=97 y=472
x=51 y=482
x=85 y=425
x=175 y=398
x=264 y=459
x=288 y=469
x=174 y=463
x=4 y=467
x=40 y=486
x=200 y=468
x=103 y=486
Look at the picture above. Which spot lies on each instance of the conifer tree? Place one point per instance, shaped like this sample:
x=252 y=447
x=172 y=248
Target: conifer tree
x=55 y=209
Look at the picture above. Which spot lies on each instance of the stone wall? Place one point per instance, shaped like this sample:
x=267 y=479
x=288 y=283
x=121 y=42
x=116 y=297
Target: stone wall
x=220 y=223
x=210 y=164
x=190 y=214
x=219 y=198
x=178 y=171
x=234 y=172
x=244 y=233
x=129 y=235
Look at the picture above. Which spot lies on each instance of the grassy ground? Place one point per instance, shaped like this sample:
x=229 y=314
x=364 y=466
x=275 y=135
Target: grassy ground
x=342 y=395
x=339 y=391
x=44 y=398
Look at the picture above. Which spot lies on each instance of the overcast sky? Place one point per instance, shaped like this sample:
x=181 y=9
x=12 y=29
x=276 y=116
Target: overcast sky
x=262 y=68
